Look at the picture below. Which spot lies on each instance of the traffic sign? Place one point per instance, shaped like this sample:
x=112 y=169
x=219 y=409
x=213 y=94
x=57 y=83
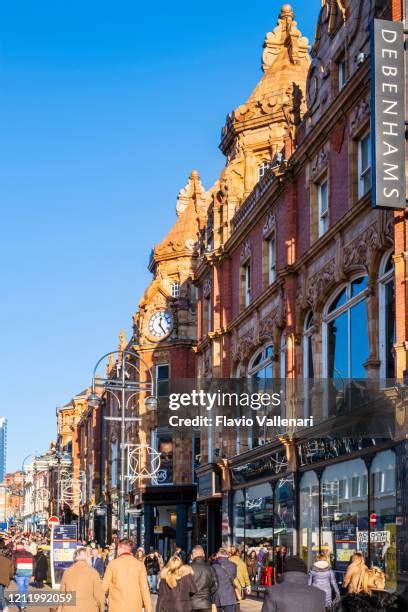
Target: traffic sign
x=53 y=521
x=373 y=518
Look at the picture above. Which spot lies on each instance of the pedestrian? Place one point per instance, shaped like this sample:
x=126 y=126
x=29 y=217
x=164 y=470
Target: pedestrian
x=242 y=571
x=153 y=569
x=140 y=556
x=180 y=553
x=40 y=569
x=97 y=562
x=268 y=573
x=225 y=597
x=353 y=580
x=205 y=580
x=23 y=570
x=125 y=582
x=280 y=559
x=322 y=576
x=293 y=592
x=176 y=588
x=85 y=582
x=6 y=575
x=251 y=563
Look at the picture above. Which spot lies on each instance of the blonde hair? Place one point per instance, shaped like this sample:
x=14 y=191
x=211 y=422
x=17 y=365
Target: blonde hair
x=172 y=570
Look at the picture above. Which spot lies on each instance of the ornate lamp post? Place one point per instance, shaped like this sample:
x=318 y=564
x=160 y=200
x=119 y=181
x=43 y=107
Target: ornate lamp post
x=118 y=387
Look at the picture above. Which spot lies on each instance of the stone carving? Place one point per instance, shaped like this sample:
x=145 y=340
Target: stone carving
x=244 y=347
x=193 y=190
x=246 y=251
x=286 y=34
x=359 y=251
x=320 y=164
x=319 y=284
x=271 y=324
x=360 y=115
x=269 y=225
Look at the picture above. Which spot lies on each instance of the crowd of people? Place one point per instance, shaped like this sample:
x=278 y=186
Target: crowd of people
x=124 y=577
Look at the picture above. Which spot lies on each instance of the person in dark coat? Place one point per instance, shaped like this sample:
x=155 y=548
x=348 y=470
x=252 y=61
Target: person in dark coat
x=97 y=562
x=6 y=574
x=293 y=592
x=225 y=598
x=176 y=588
x=153 y=569
x=205 y=580
x=40 y=569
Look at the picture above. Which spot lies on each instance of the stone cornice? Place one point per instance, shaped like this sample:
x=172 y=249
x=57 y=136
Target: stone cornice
x=249 y=310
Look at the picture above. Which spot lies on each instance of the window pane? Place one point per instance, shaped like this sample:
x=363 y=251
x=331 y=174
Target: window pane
x=358 y=285
x=389 y=328
x=259 y=515
x=162 y=372
x=285 y=515
x=339 y=301
x=338 y=346
x=359 y=340
x=309 y=517
x=343 y=516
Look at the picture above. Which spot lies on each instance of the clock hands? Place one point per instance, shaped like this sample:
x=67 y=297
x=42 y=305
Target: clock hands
x=160 y=324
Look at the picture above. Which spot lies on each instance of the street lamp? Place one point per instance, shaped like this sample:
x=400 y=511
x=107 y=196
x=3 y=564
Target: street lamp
x=123 y=384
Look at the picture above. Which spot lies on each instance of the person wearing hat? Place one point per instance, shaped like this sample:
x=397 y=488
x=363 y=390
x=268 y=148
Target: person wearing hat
x=293 y=592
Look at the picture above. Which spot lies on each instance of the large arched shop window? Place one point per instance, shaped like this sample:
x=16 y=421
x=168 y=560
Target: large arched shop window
x=383 y=549
x=309 y=517
x=259 y=515
x=345 y=332
x=239 y=517
x=344 y=511
x=284 y=528
x=386 y=290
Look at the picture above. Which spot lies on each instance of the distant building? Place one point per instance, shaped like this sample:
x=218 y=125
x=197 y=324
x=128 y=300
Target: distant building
x=3 y=447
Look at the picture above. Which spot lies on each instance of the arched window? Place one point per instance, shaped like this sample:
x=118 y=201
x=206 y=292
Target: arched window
x=386 y=315
x=345 y=332
x=260 y=366
x=309 y=516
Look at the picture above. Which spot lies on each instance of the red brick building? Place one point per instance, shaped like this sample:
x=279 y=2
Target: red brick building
x=300 y=279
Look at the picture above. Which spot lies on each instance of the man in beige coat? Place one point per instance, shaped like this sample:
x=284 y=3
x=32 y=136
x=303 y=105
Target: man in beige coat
x=125 y=582
x=85 y=582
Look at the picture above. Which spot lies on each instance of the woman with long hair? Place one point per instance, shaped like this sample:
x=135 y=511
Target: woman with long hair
x=353 y=580
x=176 y=587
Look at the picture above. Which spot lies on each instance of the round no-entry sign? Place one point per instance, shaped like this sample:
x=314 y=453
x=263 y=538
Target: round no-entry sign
x=53 y=520
x=373 y=519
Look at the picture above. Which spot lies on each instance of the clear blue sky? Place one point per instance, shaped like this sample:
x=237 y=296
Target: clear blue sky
x=105 y=108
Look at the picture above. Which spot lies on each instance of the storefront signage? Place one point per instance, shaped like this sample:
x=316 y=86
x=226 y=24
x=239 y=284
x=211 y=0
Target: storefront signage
x=208 y=485
x=321 y=449
x=274 y=464
x=376 y=537
x=388 y=114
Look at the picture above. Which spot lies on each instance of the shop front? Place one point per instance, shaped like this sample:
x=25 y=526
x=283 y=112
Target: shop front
x=341 y=498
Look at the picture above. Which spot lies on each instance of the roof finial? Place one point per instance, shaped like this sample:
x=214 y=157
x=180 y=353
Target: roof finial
x=286 y=12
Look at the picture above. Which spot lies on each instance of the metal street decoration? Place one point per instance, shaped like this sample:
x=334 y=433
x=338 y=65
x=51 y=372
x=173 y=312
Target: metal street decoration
x=143 y=462
x=71 y=489
x=40 y=497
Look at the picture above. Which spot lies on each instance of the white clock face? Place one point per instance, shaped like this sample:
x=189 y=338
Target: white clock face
x=160 y=324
